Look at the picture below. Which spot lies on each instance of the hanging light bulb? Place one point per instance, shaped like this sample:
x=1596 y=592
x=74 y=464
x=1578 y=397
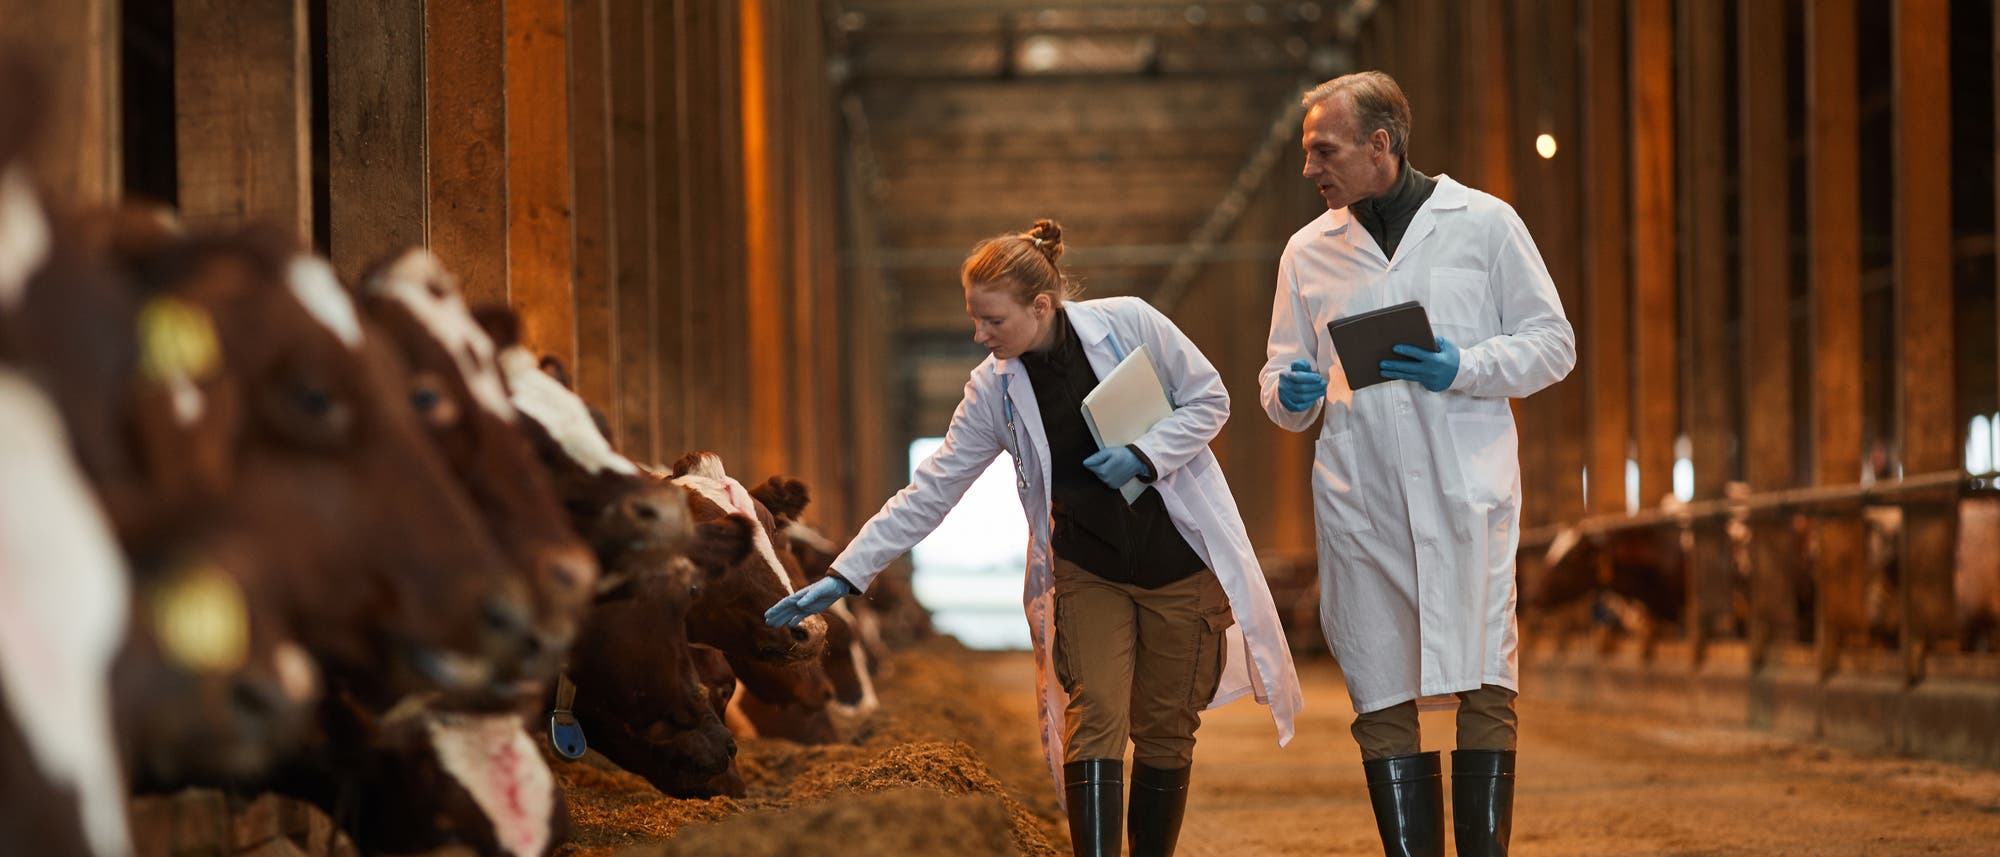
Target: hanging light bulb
x=1545 y=145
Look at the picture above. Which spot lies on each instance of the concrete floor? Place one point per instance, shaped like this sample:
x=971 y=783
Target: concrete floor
x=1590 y=783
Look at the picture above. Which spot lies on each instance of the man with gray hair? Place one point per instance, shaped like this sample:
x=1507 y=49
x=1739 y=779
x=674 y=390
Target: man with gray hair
x=1416 y=486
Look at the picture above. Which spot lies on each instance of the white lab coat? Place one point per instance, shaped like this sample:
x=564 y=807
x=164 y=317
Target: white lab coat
x=1416 y=494
x=999 y=412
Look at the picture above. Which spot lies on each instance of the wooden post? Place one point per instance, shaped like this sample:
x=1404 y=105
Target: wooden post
x=1834 y=256
x=1559 y=179
x=866 y=320
x=538 y=180
x=1767 y=286
x=632 y=129
x=465 y=77
x=1654 y=329
x=675 y=290
x=75 y=43
x=375 y=105
x=1607 y=358
x=1710 y=406
x=592 y=179
x=764 y=344
x=1926 y=395
x=243 y=113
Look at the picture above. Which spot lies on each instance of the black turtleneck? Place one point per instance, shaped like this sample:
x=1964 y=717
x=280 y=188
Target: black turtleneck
x=1388 y=215
x=1094 y=528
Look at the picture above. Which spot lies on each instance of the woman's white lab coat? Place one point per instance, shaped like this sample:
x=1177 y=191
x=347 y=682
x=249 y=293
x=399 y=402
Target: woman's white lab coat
x=1000 y=413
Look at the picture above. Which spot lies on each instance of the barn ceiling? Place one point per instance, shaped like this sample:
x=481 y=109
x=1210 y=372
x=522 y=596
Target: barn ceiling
x=1126 y=120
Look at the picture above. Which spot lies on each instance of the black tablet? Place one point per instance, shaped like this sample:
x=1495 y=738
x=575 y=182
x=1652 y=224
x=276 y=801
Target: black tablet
x=1363 y=341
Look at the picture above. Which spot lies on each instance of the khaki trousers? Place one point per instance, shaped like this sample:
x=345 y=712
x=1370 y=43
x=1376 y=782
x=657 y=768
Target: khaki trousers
x=1486 y=721
x=1137 y=663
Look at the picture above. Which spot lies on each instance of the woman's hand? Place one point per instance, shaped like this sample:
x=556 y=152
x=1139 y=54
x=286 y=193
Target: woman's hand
x=1116 y=466
x=806 y=602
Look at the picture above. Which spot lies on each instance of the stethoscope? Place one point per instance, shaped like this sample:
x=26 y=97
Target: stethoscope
x=1007 y=414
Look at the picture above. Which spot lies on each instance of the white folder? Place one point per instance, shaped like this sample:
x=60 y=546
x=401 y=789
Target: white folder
x=1126 y=404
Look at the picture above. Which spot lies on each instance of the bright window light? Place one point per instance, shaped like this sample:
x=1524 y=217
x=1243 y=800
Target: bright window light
x=1979 y=445
x=970 y=570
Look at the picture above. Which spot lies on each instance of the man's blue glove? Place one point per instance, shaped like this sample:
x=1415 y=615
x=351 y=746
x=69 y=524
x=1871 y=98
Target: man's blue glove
x=1301 y=387
x=1116 y=466
x=1433 y=369
x=806 y=602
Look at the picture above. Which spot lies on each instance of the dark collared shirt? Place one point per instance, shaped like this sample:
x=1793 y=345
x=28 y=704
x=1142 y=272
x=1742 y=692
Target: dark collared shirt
x=1388 y=216
x=1094 y=528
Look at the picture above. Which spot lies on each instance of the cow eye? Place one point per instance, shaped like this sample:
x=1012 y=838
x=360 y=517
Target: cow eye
x=308 y=411
x=313 y=401
x=425 y=400
x=432 y=405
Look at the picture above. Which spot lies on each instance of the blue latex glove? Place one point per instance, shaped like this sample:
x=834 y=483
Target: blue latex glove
x=806 y=602
x=1433 y=369
x=1301 y=387
x=1116 y=466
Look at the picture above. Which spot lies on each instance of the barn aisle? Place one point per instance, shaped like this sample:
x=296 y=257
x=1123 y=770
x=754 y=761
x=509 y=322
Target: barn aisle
x=1592 y=783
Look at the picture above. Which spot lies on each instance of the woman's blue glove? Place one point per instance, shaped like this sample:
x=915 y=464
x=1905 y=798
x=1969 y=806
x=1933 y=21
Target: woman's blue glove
x=806 y=602
x=1301 y=387
x=1116 y=466
x=1433 y=369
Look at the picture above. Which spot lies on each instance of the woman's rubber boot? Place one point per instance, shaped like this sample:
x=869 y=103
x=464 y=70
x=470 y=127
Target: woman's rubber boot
x=1408 y=795
x=1159 y=799
x=1095 y=791
x=1482 y=801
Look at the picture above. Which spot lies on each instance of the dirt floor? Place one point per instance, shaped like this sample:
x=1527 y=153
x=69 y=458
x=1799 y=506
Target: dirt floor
x=950 y=766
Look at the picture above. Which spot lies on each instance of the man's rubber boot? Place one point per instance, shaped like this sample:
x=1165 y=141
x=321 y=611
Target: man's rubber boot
x=1408 y=795
x=1482 y=801
x=1159 y=799
x=1095 y=792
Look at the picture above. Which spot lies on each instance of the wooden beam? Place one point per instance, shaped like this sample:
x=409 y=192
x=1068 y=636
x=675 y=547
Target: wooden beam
x=375 y=107
x=1765 y=203
x=674 y=291
x=539 y=249
x=465 y=78
x=865 y=318
x=1562 y=218
x=1705 y=283
x=633 y=274
x=592 y=179
x=75 y=44
x=1833 y=201
x=1607 y=363
x=1653 y=245
x=243 y=113
x=764 y=227
x=1926 y=393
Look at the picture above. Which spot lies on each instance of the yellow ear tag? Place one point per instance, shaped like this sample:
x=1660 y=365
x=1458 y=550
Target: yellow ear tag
x=176 y=340
x=201 y=621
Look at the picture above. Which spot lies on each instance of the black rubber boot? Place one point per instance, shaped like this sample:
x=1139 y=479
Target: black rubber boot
x=1482 y=801
x=1408 y=795
x=1159 y=799
x=1095 y=792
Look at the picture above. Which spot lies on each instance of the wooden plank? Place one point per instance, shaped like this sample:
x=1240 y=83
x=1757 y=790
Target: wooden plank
x=1711 y=360
x=1765 y=203
x=75 y=43
x=1834 y=257
x=375 y=106
x=764 y=248
x=865 y=320
x=592 y=179
x=1522 y=23
x=1656 y=417
x=465 y=79
x=710 y=333
x=633 y=274
x=1607 y=357
x=669 y=237
x=243 y=113
x=1561 y=222
x=1926 y=393
x=539 y=250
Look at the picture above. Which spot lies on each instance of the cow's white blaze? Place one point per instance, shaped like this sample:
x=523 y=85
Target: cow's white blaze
x=313 y=283
x=449 y=321
x=24 y=235
x=559 y=412
x=730 y=494
x=492 y=758
x=63 y=603
x=859 y=654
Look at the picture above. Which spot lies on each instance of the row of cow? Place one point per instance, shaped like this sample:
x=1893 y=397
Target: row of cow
x=264 y=530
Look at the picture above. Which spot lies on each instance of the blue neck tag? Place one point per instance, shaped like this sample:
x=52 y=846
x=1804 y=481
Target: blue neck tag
x=566 y=735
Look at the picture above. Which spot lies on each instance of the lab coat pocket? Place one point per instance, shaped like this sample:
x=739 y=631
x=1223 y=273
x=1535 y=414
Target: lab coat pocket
x=1460 y=304
x=1337 y=502
x=1488 y=456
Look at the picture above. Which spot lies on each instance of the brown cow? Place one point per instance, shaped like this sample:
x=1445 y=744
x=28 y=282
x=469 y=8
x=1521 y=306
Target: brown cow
x=730 y=613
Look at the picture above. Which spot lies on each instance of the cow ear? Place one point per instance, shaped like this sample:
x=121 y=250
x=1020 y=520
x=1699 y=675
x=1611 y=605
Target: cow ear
x=722 y=543
x=553 y=367
x=786 y=498
x=685 y=463
x=500 y=323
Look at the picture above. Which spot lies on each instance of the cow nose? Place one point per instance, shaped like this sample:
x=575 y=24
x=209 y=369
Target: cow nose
x=801 y=635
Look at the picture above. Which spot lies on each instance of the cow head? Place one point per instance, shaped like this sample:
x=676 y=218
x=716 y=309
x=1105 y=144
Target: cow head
x=730 y=614
x=457 y=390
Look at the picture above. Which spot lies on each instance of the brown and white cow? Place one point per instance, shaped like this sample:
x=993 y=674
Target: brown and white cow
x=730 y=613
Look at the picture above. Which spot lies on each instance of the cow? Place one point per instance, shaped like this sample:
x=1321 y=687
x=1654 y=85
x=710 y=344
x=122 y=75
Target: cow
x=730 y=613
